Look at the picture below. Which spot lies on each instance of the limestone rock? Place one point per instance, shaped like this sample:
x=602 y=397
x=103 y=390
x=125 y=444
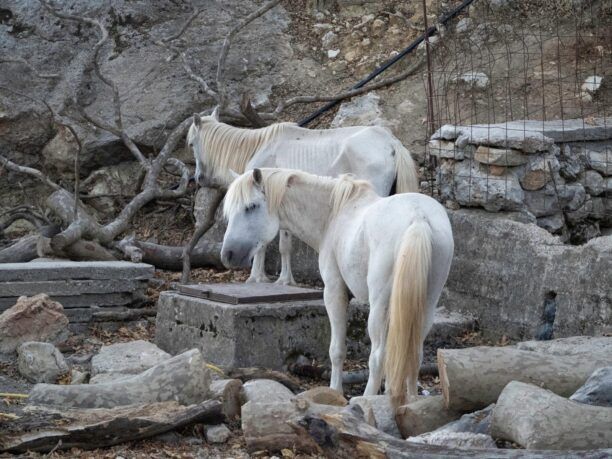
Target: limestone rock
x=217 y=434
x=463 y=25
x=60 y=152
x=445 y=149
x=265 y=391
x=120 y=180
x=324 y=395
x=499 y=157
x=35 y=318
x=122 y=359
x=597 y=390
x=77 y=377
x=360 y=111
x=474 y=187
x=383 y=410
x=476 y=80
x=552 y=223
x=40 y=362
x=593 y=182
x=601 y=161
x=378 y=27
x=551 y=200
x=329 y=39
x=590 y=87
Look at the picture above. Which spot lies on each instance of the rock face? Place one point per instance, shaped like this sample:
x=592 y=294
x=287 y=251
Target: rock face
x=124 y=359
x=155 y=90
x=35 y=318
x=40 y=362
x=597 y=390
x=497 y=254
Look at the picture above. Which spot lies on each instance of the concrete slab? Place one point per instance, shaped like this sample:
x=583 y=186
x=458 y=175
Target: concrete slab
x=59 y=270
x=69 y=287
x=527 y=135
x=266 y=335
x=81 y=301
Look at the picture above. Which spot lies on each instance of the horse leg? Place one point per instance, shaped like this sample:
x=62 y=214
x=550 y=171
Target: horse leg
x=258 y=270
x=336 y=304
x=377 y=330
x=284 y=247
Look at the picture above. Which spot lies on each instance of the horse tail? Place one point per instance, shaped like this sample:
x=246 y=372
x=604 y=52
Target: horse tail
x=405 y=170
x=407 y=311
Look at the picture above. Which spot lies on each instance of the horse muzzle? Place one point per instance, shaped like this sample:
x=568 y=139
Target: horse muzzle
x=236 y=256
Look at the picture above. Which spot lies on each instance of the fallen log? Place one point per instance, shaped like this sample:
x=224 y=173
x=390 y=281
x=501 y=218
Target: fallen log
x=227 y=391
x=123 y=315
x=537 y=418
x=246 y=374
x=473 y=378
x=424 y=415
x=183 y=378
x=345 y=435
x=266 y=426
x=43 y=430
x=204 y=255
x=573 y=345
x=22 y=251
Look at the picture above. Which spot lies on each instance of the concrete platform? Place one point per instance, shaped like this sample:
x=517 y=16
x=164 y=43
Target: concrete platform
x=81 y=287
x=267 y=334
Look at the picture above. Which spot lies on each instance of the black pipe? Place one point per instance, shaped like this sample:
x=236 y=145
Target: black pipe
x=430 y=31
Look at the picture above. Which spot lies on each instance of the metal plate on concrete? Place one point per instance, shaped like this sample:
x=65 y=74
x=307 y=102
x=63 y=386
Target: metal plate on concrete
x=250 y=293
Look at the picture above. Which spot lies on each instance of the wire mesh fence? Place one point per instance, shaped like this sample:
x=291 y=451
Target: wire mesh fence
x=521 y=97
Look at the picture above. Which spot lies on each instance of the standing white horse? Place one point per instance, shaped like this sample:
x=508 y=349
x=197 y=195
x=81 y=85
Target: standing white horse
x=393 y=252
x=368 y=152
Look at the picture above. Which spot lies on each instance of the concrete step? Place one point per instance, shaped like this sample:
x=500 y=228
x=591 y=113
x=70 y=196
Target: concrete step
x=62 y=270
x=70 y=287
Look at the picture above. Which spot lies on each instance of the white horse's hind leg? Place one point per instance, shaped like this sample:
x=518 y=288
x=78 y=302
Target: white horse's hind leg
x=258 y=270
x=336 y=304
x=377 y=330
x=284 y=247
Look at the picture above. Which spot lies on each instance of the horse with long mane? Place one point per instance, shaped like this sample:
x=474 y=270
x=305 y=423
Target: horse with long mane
x=368 y=152
x=394 y=253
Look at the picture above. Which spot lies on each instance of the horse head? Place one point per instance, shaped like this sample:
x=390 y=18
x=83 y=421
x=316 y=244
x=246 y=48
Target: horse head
x=250 y=223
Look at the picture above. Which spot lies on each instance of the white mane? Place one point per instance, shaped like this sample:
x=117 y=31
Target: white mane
x=223 y=147
x=276 y=181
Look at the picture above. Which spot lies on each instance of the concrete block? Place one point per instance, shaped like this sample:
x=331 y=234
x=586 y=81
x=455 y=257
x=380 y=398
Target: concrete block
x=268 y=335
x=60 y=270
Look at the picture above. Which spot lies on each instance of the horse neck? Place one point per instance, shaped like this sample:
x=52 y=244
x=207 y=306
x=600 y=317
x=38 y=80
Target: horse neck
x=227 y=147
x=306 y=211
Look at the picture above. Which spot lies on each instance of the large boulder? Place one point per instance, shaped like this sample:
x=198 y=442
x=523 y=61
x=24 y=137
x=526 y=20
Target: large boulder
x=597 y=390
x=565 y=286
x=124 y=359
x=35 y=318
x=40 y=362
x=156 y=93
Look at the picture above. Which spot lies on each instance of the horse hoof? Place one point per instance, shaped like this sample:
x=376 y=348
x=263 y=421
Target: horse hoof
x=258 y=280
x=280 y=281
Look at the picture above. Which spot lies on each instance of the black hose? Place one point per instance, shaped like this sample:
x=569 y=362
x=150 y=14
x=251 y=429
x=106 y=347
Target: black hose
x=429 y=32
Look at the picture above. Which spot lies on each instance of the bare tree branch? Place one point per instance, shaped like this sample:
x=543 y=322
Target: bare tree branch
x=31 y=68
x=196 y=12
x=29 y=171
x=282 y=106
x=228 y=41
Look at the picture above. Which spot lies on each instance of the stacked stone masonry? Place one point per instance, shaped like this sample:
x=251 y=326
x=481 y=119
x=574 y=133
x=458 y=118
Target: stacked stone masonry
x=557 y=173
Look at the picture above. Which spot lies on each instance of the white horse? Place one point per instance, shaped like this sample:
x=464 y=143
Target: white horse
x=393 y=252
x=368 y=152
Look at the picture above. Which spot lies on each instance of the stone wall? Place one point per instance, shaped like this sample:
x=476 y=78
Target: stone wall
x=557 y=173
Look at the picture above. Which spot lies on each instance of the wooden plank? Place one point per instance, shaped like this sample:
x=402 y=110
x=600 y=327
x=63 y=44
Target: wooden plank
x=70 y=287
x=249 y=293
x=55 y=270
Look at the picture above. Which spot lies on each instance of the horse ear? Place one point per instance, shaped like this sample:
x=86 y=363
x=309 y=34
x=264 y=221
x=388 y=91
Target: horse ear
x=215 y=113
x=257 y=177
x=197 y=120
x=233 y=174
